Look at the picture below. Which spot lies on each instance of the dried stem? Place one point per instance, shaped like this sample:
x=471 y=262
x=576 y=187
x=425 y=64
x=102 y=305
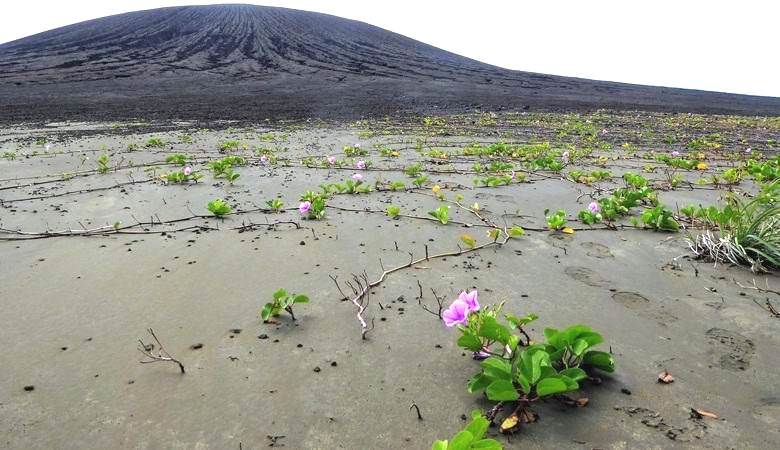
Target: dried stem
x=161 y=354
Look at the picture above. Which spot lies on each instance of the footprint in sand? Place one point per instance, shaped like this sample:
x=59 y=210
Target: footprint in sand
x=631 y=300
x=644 y=307
x=733 y=350
x=585 y=275
x=597 y=250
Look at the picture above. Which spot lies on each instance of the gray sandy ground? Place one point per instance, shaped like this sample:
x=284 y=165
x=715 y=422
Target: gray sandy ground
x=74 y=307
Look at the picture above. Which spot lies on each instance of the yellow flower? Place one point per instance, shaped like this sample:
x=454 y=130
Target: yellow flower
x=701 y=166
x=436 y=189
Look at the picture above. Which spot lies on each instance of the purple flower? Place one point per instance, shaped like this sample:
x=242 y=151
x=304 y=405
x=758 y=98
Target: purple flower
x=749 y=150
x=187 y=171
x=675 y=154
x=304 y=207
x=331 y=160
x=361 y=165
x=470 y=299
x=357 y=145
x=456 y=314
x=565 y=157
x=480 y=355
x=264 y=159
x=357 y=177
x=594 y=207
x=513 y=174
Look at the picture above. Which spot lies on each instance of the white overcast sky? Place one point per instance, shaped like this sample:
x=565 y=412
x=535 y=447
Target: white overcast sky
x=729 y=46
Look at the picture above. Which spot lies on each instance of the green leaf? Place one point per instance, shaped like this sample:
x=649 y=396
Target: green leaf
x=300 y=298
x=575 y=373
x=491 y=329
x=599 y=360
x=497 y=367
x=470 y=342
x=461 y=441
x=523 y=382
x=439 y=445
x=550 y=386
x=501 y=390
x=478 y=383
x=265 y=314
x=579 y=346
x=478 y=427
x=280 y=294
x=487 y=444
x=517 y=322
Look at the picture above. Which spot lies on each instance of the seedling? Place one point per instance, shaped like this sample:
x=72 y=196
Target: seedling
x=471 y=437
x=229 y=145
x=155 y=142
x=557 y=220
x=419 y=181
x=282 y=302
x=178 y=159
x=442 y=214
x=102 y=163
x=219 y=207
x=393 y=211
x=276 y=204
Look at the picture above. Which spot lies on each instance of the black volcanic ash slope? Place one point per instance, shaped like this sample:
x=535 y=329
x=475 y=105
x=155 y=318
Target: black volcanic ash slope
x=252 y=62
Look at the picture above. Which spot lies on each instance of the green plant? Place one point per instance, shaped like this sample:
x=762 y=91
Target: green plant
x=231 y=176
x=493 y=181
x=9 y=155
x=393 y=211
x=276 y=204
x=471 y=437
x=397 y=185
x=229 y=145
x=660 y=218
x=155 y=142
x=102 y=163
x=742 y=232
x=442 y=214
x=282 y=301
x=517 y=369
x=313 y=205
x=557 y=220
x=225 y=165
x=181 y=176
x=178 y=159
x=419 y=181
x=414 y=170
x=219 y=207
x=355 y=150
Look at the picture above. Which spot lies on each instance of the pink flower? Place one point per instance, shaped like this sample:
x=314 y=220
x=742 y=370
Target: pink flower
x=187 y=171
x=357 y=177
x=361 y=165
x=565 y=157
x=456 y=314
x=331 y=160
x=264 y=159
x=594 y=207
x=675 y=154
x=304 y=207
x=470 y=299
x=513 y=174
